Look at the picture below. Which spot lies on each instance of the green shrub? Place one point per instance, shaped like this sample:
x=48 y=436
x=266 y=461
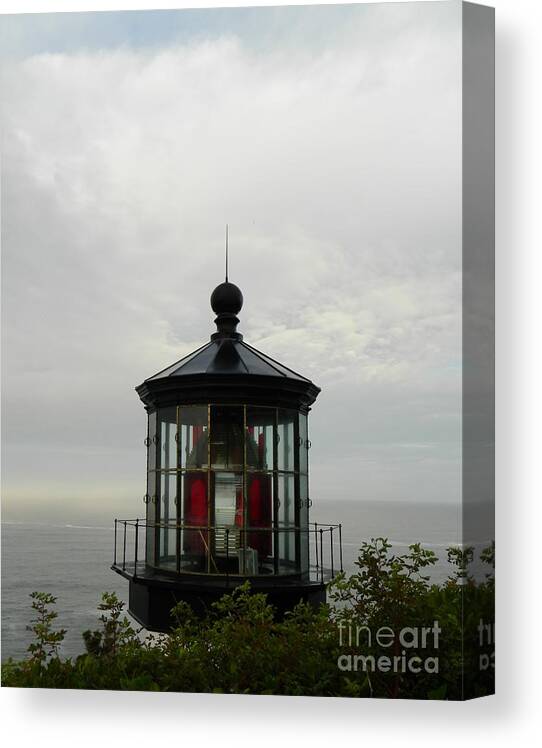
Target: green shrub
x=241 y=647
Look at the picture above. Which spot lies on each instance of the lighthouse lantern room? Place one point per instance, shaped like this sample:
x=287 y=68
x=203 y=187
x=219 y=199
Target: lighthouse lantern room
x=227 y=493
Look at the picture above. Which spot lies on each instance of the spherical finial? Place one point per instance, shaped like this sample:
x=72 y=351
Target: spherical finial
x=226 y=299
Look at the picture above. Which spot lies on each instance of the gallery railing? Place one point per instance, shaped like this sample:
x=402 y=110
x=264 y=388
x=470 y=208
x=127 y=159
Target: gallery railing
x=323 y=543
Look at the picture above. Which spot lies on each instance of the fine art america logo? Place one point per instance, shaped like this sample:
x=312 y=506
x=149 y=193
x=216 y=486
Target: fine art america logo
x=401 y=644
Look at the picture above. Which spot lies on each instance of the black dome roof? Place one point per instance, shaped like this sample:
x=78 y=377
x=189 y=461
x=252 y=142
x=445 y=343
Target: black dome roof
x=228 y=356
x=226 y=369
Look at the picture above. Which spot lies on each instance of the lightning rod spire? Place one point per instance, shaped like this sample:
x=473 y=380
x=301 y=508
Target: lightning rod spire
x=226 y=253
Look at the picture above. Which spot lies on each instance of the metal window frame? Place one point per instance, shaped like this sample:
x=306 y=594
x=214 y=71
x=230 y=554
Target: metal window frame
x=179 y=471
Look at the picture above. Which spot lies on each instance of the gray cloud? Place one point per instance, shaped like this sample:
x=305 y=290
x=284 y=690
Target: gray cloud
x=337 y=166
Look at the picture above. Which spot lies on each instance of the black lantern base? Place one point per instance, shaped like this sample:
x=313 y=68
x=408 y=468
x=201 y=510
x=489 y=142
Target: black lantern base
x=152 y=596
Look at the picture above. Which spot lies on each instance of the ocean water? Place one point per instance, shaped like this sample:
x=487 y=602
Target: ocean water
x=72 y=561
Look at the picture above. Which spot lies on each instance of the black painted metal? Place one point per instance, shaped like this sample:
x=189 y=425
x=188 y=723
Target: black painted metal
x=198 y=389
x=153 y=589
x=151 y=600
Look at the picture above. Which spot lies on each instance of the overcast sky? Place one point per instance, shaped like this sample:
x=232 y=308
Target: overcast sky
x=328 y=138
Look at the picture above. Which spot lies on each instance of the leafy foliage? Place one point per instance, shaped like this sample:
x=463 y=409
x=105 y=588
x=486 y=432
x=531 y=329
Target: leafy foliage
x=116 y=632
x=43 y=662
x=241 y=647
x=46 y=640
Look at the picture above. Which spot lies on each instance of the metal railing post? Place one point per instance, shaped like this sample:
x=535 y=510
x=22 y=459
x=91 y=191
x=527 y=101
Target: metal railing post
x=136 y=546
x=309 y=547
x=316 y=546
x=321 y=555
x=341 y=546
x=124 y=549
x=115 y=546
x=331 y=550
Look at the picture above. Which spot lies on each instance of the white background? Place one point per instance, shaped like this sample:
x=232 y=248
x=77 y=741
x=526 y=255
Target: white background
x=56 y=718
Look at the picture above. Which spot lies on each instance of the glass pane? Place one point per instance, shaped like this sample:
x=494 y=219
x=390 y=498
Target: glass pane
x=150 y=507
x=304 y=523
x=195 y=536
x=286 y=524
x=151 y=516
x=193 y=436
x=168 y=517
x=285 y=439
x=181 y=519
x=259 y=441
x=303 y=444
x=167 y=433
x=260 y=518
x=227 y=444
x=152 y=441
x=228 y=521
